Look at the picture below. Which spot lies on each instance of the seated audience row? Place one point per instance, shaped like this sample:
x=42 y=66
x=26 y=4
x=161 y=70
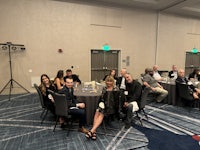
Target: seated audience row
x=67 y=89
x=182 y=79
x=171 y=74
x=148 y=80
x=116 y=99
x=130 y=91
x=115 y=102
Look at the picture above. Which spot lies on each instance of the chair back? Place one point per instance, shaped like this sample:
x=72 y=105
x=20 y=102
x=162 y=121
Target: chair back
x=61 y=104
x=183 y=91
x=40 y=95
x=143 y=100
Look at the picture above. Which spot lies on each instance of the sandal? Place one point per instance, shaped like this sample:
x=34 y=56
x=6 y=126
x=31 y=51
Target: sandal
x=94 y=136
x=88 y=134
x=91 y=135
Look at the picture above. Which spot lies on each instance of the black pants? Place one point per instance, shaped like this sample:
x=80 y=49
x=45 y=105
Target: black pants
x=129 y=113
x=80 y=114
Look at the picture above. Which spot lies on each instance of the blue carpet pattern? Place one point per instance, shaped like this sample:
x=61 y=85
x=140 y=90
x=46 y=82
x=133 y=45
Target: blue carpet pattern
x=168 y=127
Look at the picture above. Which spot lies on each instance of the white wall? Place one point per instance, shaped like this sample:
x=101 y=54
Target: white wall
x=46 y=26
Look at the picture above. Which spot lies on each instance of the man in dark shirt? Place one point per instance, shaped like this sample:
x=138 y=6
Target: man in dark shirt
x=75 y=109
x=133 y=94
x=182 y=79
x=75 y=78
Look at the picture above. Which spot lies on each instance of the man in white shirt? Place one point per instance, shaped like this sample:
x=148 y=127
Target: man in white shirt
x=156 y=74
x=173 y=74
x=121 y=81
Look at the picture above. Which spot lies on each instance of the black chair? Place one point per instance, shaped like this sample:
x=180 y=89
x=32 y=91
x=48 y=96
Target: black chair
x=136 y=115
x=45 y=109
x=142 y=102
x=184 y=93
x=61 y=108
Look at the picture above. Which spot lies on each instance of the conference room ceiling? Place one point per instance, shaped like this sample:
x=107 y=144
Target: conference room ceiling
x=181 y=7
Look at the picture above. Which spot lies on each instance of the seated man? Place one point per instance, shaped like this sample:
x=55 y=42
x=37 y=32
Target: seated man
x=75 y=78
x=173 y=74
x=133 y=94
x=182 y=79
x=153 y=85
x=156 y=73
x=121 y=80
x=75 y=109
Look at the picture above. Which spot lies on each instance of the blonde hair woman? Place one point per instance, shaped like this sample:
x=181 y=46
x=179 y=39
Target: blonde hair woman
x=107 y=105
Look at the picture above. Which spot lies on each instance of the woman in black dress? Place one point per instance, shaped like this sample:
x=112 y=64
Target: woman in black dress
x=108 y=105
x=44 y=86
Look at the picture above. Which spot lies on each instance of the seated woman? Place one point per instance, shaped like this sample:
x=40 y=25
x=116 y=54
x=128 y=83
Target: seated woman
x=194 y=77
x=59 y=80
x=108 y=105
x=44 y=86
x=113 y=74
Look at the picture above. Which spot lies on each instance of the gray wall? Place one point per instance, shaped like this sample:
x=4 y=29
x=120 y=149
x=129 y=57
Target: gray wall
x=45 y=26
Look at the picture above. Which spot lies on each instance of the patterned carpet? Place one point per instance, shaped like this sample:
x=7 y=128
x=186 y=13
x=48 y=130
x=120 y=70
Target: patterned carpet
x=168 y=127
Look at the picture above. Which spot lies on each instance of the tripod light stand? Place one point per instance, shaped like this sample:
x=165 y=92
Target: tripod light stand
x=8 y=46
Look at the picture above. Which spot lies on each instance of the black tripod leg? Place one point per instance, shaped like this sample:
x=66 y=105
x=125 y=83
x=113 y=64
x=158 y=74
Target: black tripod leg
x=5 y=86
x=21 y=86
x=11 y=86
x=9 y=44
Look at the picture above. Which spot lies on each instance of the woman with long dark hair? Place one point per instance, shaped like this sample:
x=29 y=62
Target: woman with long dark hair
x=44 y=86
x=59 y=80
